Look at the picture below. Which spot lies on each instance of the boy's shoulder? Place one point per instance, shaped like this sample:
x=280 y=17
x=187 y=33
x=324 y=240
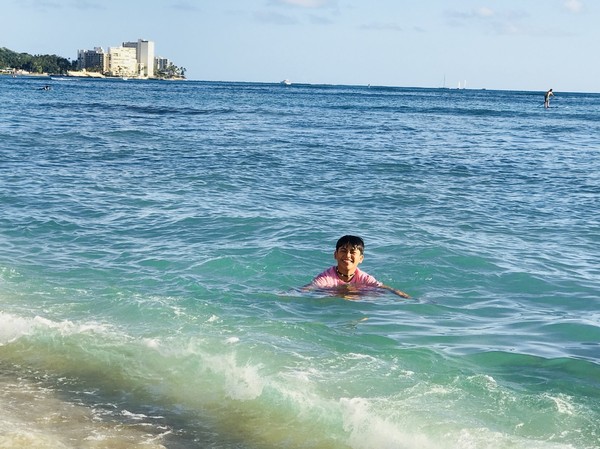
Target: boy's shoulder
x=327 y=273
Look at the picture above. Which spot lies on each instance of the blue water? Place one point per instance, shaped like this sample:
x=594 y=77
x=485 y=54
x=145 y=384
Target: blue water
x=155 y=236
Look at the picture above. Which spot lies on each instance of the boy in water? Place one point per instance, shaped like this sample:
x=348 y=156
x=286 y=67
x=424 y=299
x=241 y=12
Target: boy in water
x=349 y=252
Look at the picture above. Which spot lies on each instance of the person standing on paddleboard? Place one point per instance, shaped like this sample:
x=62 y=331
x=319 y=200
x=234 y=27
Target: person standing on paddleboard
x=547 y=98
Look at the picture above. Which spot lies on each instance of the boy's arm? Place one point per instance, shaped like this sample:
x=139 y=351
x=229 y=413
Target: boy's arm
x=307 y=287
x=395 y=291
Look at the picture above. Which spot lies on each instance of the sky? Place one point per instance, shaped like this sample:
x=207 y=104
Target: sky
x=493 y=44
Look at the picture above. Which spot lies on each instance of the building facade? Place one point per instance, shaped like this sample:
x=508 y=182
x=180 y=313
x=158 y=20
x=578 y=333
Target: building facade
x=123 y=62
x=95 y=60
x=162 y=64
x=131 y=59
x=144 y=55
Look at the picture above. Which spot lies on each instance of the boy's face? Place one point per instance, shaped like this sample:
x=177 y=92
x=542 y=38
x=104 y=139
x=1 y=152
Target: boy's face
x=348 y=257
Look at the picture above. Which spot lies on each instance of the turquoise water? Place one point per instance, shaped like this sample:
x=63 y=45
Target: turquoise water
x=154 y=237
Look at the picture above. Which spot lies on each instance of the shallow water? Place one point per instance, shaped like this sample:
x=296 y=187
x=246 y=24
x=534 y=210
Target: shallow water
x=154 y=237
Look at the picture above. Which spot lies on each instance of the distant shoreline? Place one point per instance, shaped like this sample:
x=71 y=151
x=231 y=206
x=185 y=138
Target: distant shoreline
x=71 y=76
x=45 y=76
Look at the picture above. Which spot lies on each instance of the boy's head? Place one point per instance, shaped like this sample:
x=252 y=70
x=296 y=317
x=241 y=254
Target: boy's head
x=350 y=242
x=349 y=253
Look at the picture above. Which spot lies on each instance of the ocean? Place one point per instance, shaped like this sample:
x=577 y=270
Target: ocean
x=155 y=237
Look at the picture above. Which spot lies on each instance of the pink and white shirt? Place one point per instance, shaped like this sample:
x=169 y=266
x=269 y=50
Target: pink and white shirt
x=330 y=279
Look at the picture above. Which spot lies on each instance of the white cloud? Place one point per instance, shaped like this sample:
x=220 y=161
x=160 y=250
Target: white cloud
x=42 y=5
x=307 y=3
x=319 y=20
x=574 y=5
x=506 y=22
x=87 y=5
x=184 y=6
x=485 y=12
x=380 y=26
x=274 y=18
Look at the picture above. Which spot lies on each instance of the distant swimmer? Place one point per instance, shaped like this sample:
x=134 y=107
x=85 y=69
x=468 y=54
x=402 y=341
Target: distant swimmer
x=547 y=98
x=46 y=87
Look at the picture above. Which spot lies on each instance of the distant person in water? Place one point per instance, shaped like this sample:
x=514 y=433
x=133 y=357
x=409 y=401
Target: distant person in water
x=547 y=98
x=349 y=252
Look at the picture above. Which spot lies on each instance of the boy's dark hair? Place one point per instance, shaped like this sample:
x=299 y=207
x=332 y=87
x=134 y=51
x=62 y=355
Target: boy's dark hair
x=351 y=240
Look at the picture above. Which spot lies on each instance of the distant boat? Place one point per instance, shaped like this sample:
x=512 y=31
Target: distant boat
x=286 y=82
x=444 y=84
x=124 y=78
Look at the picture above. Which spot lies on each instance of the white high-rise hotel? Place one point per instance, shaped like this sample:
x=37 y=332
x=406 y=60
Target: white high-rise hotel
x=132 y=59
x=144 y=56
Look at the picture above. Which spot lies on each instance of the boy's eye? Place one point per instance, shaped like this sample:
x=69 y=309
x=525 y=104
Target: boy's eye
x=353 y=251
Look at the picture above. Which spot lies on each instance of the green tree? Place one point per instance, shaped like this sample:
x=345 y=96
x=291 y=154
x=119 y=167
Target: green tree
x=35 y=64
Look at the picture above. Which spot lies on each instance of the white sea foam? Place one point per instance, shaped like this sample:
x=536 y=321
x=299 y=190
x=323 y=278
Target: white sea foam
x=131 y=415
x=13 y=327
x=563 y=403
x=8 y=273
x=356 y=356
x=370 y=425
x=367 y=430
x=153 y=343
x=242 y=382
